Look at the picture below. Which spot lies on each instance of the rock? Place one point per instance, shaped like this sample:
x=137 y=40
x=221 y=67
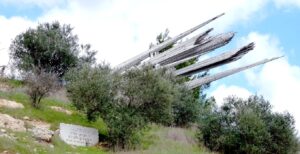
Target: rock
x=6 y=121
x=4 y=152
x=78 y=135
x=38 y=124
x=56 y=132
x=10 y=104
x=26 y=118
x=42 y=134
x=3 y=131
x=60 y=109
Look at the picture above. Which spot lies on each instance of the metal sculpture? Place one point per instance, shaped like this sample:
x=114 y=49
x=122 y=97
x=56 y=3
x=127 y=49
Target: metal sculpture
x=193 y=48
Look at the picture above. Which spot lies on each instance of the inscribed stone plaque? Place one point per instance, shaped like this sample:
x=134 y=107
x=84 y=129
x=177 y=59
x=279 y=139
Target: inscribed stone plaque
x=78 y=135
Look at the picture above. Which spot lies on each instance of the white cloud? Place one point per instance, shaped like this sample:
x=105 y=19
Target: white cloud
x=279 y=81
x=30 y=3
x=287 y=3
x=224 y=91
x=9 y=28
x=122 y=29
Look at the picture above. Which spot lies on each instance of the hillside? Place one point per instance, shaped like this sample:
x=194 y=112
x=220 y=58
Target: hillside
x=56 y=109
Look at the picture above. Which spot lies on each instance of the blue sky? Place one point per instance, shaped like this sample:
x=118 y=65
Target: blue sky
x=272 y=24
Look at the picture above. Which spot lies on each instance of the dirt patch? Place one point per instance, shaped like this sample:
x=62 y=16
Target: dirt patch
x=10 y=104
x=6 y=121
x=60 y=109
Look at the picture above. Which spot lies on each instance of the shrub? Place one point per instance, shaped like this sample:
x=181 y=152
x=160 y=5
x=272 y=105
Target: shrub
x=159 y=96
x=248 y=126
x=95 y=91
x=39 y=84
x=186 y=107
x=151 y=92
x=91 y=89
x=128 y=102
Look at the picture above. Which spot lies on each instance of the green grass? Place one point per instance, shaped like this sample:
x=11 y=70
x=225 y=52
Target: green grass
x=48 y=115
x=12 y=82
x=25 y=144
x=157 y=140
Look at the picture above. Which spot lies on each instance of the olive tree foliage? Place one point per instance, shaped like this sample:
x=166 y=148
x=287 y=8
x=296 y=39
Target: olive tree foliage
x=128 y=102
x=39 y=84
x=50 y=47
x=159 y=96
x=151 y=92
x=96 y=92
x=91 y=89
x=247 y=126
x=186 y=108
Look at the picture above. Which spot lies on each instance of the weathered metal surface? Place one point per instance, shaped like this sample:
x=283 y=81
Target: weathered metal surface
x=204 y=80
x=185 y=46
x=180 y=62
x=199 y=49
x=216 y=61
x=137 y=59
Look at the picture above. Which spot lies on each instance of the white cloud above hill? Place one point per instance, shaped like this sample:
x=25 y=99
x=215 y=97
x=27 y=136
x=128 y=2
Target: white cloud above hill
x=120 y=29
x=9 y=28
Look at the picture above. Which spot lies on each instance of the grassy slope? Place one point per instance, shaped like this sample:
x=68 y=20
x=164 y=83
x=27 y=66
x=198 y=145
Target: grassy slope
x=25 y=144
x=156 y=140
x=166 y=140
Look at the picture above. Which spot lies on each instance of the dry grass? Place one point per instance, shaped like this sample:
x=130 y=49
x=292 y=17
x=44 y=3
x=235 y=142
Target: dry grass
x=169 y=140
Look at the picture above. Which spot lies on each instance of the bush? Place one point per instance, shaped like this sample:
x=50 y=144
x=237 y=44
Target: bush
x=151 y=92
x=248 y=126
x=95 y=91
x=91 y=89
x=128 y=102
x=186 y=107
x=159 y=96
x=39 y=84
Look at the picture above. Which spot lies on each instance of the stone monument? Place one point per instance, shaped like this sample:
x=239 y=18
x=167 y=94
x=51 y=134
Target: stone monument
x=78 y=135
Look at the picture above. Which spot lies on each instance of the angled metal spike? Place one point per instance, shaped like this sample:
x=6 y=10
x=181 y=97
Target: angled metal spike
x=198 y=82
x=186 y=45
x=180 y=62
x=208 y=46
x=137 y=59
x=215 y=61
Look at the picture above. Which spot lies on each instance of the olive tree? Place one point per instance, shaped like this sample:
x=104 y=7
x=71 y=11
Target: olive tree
x=248 y=126
x=50 y=47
